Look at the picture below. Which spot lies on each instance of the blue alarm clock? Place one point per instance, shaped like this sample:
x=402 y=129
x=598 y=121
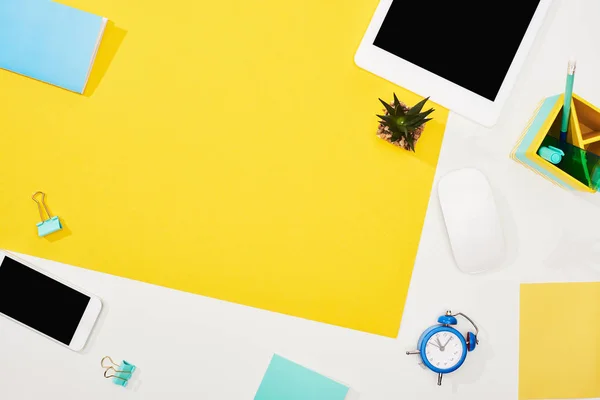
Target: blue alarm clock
x=442 y=348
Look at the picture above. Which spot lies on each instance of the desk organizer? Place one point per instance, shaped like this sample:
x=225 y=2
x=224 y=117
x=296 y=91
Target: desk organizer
x=579 y=166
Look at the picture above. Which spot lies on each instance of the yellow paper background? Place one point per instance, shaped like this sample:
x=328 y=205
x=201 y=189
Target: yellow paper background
x=225 y=148
x=559 y=356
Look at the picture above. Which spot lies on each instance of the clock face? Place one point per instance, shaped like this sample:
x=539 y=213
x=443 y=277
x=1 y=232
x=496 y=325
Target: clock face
x=444 y=350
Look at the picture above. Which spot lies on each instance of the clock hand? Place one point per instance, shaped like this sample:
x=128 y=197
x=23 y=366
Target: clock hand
x=448 y=342
x=440 y=344
x=433 y=344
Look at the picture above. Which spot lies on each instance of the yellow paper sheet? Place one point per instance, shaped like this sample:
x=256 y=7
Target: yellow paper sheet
x=225 y=148
x=559 y=348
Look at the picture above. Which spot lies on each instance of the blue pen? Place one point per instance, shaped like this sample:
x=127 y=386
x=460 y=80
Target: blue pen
x=568 y=96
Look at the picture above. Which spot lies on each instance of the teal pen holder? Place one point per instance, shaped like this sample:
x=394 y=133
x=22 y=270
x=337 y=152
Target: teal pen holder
x=572 y=164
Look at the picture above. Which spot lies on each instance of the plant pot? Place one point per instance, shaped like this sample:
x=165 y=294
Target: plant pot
x=384 y=133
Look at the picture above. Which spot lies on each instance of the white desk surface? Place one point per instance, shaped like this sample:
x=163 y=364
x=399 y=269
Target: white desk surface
x=195 y=347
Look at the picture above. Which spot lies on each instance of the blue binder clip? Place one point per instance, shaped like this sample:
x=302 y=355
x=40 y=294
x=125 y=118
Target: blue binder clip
x=47 y=226
x=120 y=374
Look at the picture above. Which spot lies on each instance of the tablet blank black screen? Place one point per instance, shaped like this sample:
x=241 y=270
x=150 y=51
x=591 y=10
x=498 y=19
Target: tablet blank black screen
x=39 y=301
x=471 y=44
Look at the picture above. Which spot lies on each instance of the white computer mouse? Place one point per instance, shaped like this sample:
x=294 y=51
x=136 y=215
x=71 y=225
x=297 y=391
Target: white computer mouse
x=472 y=220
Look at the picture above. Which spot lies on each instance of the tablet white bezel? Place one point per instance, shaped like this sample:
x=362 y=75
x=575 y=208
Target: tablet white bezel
x=441 y=90
x=89 y=316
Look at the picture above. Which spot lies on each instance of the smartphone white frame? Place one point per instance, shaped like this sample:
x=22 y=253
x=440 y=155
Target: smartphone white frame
x=90 y=315
x=441 y=90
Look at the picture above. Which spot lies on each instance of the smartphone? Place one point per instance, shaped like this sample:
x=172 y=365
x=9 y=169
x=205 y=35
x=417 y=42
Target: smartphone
x=52 y=307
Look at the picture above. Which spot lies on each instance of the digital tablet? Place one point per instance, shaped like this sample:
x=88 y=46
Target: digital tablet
x=465 y=55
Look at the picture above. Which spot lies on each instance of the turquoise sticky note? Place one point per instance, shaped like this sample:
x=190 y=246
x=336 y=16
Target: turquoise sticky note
x=48 y=226
x=49 y=41
x=286 y=380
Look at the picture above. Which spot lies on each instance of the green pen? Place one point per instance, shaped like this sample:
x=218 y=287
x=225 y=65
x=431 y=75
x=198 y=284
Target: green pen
x=568 y=96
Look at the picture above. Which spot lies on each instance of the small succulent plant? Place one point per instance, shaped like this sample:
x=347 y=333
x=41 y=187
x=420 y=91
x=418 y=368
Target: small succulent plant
x=403 y=125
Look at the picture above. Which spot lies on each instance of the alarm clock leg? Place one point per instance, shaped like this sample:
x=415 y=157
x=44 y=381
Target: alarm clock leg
x=408 y=353
x=440 y=379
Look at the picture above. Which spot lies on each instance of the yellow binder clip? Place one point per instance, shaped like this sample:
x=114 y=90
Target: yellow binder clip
x=46 y=226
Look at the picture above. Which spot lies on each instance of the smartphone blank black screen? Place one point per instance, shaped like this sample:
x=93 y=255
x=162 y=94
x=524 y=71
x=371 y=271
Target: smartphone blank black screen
x=471 y=44
x=40 y=302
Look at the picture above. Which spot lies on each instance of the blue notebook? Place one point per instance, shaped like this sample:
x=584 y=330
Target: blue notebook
x=49 y=41
x=286 y=380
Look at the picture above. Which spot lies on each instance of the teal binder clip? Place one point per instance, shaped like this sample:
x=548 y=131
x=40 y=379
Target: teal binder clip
x=551 y=154
x=120 y=374
x=46 y=226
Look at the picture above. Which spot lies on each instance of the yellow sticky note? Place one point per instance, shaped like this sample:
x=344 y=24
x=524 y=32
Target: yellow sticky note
x=225 y=148
x=559 y=348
